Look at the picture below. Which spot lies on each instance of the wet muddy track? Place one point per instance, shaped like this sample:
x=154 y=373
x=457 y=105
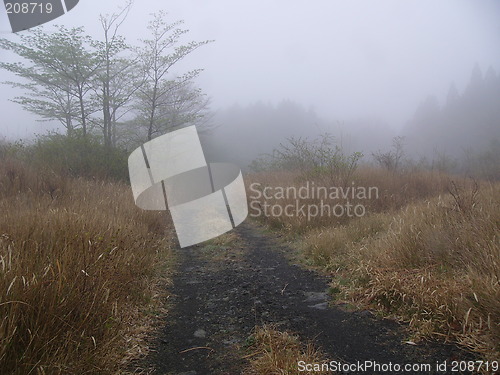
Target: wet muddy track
x=217 y=302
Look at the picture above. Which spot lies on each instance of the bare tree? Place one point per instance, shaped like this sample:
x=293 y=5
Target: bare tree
x=392 y=159
x=164 y=101
x=119 y=77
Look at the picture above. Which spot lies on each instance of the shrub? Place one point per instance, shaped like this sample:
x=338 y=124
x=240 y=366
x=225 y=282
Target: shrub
x=316 y=158
x=78 y=156
x=392 y=159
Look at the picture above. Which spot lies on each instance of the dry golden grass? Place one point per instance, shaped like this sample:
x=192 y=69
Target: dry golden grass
x=278 y=353
x=428 y=252
x=438 y=266
x=395 y=190
x=77 y=260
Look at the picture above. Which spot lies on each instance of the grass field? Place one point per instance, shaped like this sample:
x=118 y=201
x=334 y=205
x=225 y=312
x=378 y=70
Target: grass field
x=80 y=264
x=426 y=252
x=78 y=269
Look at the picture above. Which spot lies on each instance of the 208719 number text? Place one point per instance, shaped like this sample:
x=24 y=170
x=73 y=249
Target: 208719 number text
x=28 y=8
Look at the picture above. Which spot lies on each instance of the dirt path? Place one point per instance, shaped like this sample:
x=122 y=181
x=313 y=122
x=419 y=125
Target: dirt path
x=221 y=294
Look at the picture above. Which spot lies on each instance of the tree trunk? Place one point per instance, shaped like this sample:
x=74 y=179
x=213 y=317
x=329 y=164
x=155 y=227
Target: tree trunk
x=82 y=112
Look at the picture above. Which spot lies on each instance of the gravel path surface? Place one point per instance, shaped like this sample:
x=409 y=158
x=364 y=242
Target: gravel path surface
x=222 y=293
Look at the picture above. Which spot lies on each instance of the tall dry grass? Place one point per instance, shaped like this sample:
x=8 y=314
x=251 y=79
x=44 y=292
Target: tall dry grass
x=275 y=352
x=428 y=252
x=76 y=258
x=394 y=191
x=433 y=263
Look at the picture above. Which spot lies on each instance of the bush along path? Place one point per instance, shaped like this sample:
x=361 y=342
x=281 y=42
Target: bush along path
x=223 y=289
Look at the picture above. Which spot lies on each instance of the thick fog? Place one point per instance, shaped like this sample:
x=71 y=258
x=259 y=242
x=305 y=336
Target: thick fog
x=357 y=69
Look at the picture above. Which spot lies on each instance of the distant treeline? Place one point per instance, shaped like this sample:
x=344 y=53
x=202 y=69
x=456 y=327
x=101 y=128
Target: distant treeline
x=461 y=136
x=244 y=133
x=467 y=123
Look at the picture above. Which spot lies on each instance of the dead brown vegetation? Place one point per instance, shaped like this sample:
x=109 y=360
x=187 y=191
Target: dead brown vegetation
x=427 y=252
x=275 y=352
x=77 y=260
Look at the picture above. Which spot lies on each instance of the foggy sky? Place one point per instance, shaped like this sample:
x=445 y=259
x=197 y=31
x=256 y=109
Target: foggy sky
x=345 y=59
